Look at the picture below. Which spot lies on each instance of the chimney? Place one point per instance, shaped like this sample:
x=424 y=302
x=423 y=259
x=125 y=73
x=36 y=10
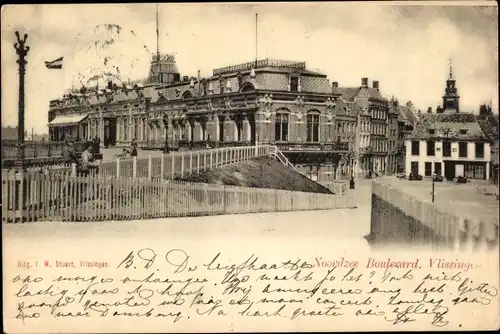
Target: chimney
x=429 y=110
x=364 y=82
x=375 y=84
x=335 y=84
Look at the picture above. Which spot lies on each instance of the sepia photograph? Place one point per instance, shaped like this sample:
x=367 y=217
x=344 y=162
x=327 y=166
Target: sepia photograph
x=292 y=166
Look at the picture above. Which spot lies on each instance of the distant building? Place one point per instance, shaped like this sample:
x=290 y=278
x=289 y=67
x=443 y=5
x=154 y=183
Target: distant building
x=398 y=130
x=9 y=133
x=490 y=125
x=448 y=143
x=375 y=107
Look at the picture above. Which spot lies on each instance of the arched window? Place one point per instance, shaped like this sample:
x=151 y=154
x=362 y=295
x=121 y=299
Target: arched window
x=247 y=87
x=281 y=126
x=187 y=95
x=313 y=127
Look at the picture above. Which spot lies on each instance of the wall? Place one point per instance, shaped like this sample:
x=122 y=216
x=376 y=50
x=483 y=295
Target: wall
x=397 y=218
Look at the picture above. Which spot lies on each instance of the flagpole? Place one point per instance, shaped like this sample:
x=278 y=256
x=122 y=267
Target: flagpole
x=199 y=83
x=256 y=37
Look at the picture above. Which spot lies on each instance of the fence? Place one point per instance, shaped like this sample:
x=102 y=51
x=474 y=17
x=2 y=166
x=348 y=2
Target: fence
x=36 y=149
x=61 y=197
x=397 y=217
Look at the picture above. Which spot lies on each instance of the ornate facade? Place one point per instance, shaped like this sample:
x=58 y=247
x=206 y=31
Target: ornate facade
x=267 y=101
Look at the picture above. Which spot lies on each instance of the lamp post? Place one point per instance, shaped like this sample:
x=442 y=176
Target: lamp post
x=433 y=187
x=22 y=51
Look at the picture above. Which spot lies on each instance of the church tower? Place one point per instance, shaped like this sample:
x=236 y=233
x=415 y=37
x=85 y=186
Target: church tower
x=163 y=68
x=451 y=98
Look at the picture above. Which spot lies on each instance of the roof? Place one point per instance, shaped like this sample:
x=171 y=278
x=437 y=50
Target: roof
x=489 y=125
x=347 y=108
x=351 y=93
x=406 y=115
x=448 y=126
x=62 y=120
x=347 y=93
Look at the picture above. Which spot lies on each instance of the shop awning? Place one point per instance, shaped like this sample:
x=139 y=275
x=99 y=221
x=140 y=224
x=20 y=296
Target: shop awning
x=67 y=120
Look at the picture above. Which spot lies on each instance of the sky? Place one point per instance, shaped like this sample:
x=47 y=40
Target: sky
x=405 y=47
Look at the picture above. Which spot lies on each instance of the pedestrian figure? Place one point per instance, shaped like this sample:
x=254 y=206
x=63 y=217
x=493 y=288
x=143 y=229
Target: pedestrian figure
x=69 y=152
x=134 y=148
x=352 y=183
x=86 y=161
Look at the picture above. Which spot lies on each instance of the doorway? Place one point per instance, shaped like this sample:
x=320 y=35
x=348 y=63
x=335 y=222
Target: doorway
x=109 y=132
x=449 y=170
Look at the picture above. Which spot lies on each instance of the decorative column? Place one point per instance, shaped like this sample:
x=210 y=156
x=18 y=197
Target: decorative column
x=118 y=129
x=22 y=51
x=101 y=127
x=140 y=132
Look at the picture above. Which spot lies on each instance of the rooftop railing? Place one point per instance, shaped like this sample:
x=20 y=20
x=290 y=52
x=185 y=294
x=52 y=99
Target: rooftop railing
x=260 y=64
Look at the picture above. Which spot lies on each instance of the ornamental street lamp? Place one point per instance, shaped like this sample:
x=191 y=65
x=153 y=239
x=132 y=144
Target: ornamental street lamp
x=22 y=51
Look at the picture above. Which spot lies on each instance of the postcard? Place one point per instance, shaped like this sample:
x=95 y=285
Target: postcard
x=250 y=167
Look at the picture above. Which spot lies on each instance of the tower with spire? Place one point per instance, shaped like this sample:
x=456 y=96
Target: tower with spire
x=451 y=97
x=163 y=68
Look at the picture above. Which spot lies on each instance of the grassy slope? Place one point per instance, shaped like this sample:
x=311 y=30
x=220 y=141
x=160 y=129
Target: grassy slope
x=259 y=173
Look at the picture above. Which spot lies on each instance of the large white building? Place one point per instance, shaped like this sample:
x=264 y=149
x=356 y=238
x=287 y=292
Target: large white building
x=448 y=143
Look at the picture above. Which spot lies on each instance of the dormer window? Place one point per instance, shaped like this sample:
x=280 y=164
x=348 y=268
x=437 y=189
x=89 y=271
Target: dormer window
x=463 y=131
x=294 y=84
x=432 y=131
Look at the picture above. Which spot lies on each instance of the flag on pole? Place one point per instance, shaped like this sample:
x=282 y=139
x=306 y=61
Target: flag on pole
x=55 y=64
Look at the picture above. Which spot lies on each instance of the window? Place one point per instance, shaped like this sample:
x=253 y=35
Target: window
x=462 y=150
x=136 y=128
x=415 y=148
x=430 y=148
x=463 y=131
x=446 y=149
x=294 y=84
x=479 y=171
x=432 y=131
x=479 y=150
x=414 y=167
x=312 y=128
x=339 y=127
x=281 y=127
x=428 y=168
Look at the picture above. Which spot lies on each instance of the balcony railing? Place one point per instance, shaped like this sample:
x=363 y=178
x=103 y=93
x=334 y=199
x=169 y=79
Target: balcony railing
x=204 y=144
x=316 y=147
